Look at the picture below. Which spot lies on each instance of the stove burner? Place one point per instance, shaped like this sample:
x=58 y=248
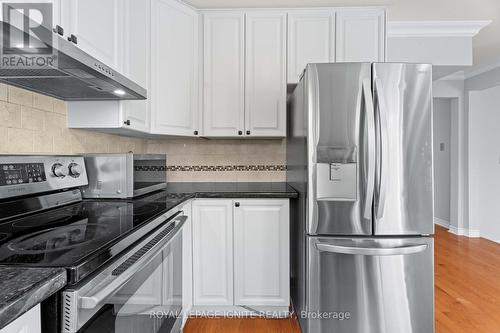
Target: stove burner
x=35 y=221
x=57 y=239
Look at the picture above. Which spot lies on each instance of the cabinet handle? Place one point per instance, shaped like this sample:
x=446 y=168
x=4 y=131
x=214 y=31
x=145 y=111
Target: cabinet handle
x=127 y=122
x=248 y=132
x=195 y=132
x=240 y=132
x=73 y=39
x=58 y=30
x=236 y=204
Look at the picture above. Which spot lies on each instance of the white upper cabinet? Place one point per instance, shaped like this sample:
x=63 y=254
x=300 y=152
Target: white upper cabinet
x=210 y=73
x=360 y=35
x=261 y=253
x=56 y=11
x=136 y=60
x=97 y=25
x=224 y=73
x=311 y=39
x=175 y=71
x=123 y=116
x=265 y=74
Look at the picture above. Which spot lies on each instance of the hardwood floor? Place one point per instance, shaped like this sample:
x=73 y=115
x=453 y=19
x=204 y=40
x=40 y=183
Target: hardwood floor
x=467 y=288
x=255 y=325
x=467 y=284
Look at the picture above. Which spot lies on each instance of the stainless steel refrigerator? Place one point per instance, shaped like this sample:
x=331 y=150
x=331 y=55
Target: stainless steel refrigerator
x=359 y=152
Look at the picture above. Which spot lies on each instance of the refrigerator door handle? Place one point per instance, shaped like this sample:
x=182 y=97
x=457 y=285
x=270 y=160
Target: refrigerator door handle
x=371 y=251
x=383 y=150
x=370 y=114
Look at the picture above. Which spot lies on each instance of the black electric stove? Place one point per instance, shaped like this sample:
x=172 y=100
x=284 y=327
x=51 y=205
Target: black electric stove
x=81 y=236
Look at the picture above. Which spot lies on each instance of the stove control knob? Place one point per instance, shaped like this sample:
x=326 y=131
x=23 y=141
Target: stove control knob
x=75 y=170
x=58 y=170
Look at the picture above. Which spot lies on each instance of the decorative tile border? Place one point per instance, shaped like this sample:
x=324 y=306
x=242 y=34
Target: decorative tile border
x=226 y=168
x=150 y=168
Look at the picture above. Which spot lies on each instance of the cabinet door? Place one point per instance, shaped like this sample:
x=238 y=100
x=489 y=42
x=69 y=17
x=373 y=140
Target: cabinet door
x=213 y=252
x=261 y=253
x=223 y=72
x=360 y=35
x=136 y=64
x=265 y=78
x=56 y=14
x=187 y=261
x=311 y=39
x=29 y=322
x=98 y=26
x=174 y=86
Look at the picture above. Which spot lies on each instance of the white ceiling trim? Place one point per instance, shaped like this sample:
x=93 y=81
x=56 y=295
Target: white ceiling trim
x=448 y=28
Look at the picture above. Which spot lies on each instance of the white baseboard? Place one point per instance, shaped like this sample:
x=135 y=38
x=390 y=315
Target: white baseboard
x=472 y=233
x=441 y=222
x=491 y=239
x=234 y=311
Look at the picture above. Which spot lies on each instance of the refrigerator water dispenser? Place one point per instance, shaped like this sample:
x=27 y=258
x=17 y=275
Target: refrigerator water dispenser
x=336 y=181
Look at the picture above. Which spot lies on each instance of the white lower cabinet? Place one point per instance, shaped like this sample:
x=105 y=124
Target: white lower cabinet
x=27 y=323
x=187 y=261
x=213 y=252
x=261 y=253
x=241 y=254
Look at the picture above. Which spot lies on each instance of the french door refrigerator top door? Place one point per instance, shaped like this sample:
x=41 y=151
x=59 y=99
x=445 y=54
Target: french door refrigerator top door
x=341 y=148
x=403 y=200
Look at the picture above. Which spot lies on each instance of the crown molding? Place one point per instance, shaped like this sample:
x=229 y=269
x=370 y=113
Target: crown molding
x=448 y=28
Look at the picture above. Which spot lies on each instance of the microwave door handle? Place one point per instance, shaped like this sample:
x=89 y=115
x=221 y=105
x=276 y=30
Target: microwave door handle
x=371 y=160
x=371 y=251
x=384 y=149
x=112 y=283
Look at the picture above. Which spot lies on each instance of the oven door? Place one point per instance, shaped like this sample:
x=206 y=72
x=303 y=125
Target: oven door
x=140 y=292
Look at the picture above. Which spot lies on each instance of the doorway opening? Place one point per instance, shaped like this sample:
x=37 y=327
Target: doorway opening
x=443 y=109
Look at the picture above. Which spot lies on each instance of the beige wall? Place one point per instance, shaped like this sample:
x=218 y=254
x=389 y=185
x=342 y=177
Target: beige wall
x=35 y=124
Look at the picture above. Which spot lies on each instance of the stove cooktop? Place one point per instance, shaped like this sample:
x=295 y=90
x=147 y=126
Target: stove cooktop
x=81 y=236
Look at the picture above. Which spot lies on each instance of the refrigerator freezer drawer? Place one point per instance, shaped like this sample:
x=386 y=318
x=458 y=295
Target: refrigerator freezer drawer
x=368 y=285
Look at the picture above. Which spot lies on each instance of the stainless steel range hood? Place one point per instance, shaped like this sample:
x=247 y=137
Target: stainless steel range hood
x=73 y=75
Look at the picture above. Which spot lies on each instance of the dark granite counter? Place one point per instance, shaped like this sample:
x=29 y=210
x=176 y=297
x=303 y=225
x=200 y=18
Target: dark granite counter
x=22 y=288
x=233 y=190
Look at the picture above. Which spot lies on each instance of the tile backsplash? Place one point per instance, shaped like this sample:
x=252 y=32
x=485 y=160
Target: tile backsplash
x=201 y=160
x=31 y=123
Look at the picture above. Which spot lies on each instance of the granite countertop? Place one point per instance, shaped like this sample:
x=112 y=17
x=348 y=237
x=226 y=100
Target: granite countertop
x=21 y=288
x=233 y=190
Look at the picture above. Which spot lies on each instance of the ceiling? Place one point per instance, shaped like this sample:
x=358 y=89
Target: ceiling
x=486 y=43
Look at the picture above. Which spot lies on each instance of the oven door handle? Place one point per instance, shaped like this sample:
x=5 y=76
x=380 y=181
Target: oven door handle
x=111 y=283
